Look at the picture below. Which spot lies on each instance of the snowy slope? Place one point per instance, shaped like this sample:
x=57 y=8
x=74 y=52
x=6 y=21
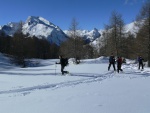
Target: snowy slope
x=131 y=28
x=42 y=28
x=43 y=89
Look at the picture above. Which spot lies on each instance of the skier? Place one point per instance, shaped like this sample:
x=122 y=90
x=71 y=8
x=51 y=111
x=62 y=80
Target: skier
x=63 y=63
x=119 y=63
x=140 y=60
x=111 y=62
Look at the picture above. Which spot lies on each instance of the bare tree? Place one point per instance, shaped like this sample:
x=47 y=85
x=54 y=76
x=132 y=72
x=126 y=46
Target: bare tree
x=115 y=33
x=76 y=46
x=144 y=32
x=69 y=49
x=103 y=42
x=74 y=34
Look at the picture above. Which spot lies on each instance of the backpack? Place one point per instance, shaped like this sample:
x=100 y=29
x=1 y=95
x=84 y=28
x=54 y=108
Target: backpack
x=66 y=61
x=111 y=59
x=140 y=59
x=120 y=60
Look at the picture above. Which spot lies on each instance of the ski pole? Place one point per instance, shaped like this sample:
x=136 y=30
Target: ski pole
x=55 y=68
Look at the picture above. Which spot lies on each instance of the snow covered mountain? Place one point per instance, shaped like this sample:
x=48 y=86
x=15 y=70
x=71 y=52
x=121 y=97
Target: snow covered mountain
x=131 y=28
x=39 y=27
x=42 y=28
x=87 y=35
x=128 y=28
x=10 y=28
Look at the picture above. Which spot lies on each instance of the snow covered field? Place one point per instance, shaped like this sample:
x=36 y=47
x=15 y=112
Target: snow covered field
x=90 y=88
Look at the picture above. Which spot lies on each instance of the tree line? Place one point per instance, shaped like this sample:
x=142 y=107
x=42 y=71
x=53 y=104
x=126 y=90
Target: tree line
x=20 y=47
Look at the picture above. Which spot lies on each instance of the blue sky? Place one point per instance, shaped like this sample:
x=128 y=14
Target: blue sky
x=88 y=13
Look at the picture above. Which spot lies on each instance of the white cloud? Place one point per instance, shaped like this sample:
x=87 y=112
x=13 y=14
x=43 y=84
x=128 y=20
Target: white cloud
x=130 y=2
x=126 y=1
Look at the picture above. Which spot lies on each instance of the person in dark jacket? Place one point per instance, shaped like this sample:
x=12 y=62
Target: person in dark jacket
x=140 y=60
x=119 y=63
x=111 y=62
x=63 y=64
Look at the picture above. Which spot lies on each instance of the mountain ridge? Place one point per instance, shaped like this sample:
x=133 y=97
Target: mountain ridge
x=42 y=28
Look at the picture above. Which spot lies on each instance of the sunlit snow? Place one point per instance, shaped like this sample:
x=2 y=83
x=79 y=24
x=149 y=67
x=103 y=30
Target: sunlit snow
x=89 y=88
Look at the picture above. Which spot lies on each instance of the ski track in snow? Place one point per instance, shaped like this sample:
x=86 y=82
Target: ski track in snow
x=135 y=71
x=87 y=78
